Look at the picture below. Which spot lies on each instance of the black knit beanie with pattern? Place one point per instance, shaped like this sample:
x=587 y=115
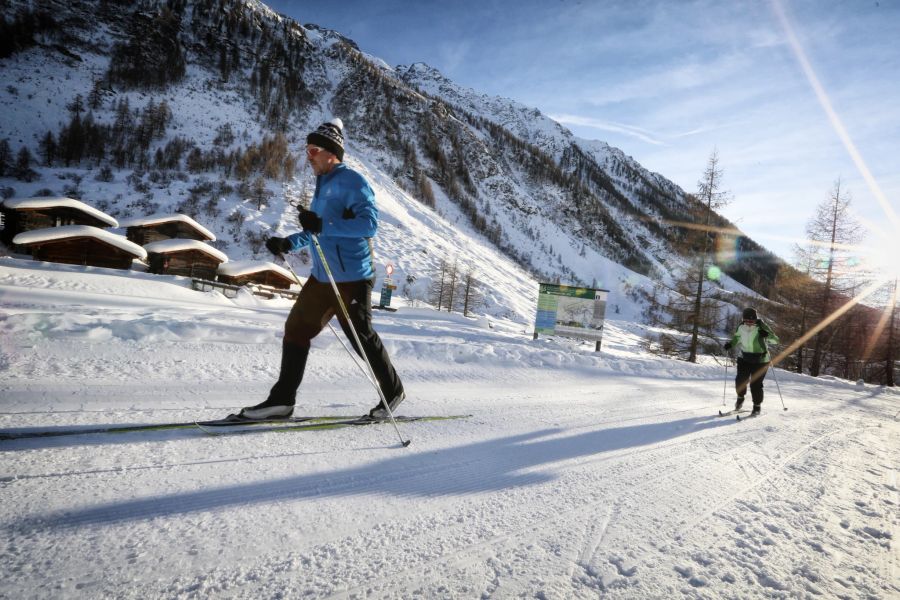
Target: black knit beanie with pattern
x=329 y=136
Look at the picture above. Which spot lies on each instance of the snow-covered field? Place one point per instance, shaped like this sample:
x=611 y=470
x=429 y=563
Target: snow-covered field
x=577 y=475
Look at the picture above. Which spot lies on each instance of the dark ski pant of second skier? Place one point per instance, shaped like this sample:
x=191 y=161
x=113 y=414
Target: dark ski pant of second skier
x=753 y=374
x=315 y=306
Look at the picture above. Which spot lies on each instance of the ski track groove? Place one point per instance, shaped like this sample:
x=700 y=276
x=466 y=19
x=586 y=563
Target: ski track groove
x=593 y=537
x=461 y=554
x=764 y=476
x=535 y=527
x=591 y=546
x=531 y=529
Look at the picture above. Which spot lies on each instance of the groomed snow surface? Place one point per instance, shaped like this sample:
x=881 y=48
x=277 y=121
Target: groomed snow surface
x=577 y=475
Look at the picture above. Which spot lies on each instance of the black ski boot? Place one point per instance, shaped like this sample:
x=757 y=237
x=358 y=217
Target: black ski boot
x=280 y=403
x=270 y=409
x=380 y=413
x=757 y=408
x=739 y=403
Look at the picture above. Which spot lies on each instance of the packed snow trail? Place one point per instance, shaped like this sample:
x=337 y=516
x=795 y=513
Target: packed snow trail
x=633 y=498
x=578 y=474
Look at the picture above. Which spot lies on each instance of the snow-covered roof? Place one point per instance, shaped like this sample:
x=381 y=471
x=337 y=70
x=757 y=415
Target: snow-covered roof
x=246 y=267
x=49 y=202
x=36 y=236
x=178 y=245
x=157 y=219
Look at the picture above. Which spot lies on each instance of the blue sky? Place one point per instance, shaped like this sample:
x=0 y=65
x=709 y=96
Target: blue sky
x=667 y=82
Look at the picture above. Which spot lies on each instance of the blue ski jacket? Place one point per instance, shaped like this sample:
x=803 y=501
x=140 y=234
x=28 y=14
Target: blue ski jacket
x=346 y=203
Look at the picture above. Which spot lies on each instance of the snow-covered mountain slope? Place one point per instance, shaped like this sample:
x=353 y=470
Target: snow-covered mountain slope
x=207 y=115
x=577 y=475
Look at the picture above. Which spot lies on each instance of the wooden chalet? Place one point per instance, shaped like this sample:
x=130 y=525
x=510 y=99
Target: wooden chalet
x=250 y=272
x=27 y=214
x=145 y=230
x=191 y=258
x=80 y=245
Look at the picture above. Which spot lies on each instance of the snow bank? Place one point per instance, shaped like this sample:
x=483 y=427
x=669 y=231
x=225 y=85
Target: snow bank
x=48 y=202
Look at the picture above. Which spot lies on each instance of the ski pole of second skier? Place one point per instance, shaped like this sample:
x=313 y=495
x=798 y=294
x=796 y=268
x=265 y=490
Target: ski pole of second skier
x=330 y=326
x=373 y=380
x=725 y=386
x=779 y=388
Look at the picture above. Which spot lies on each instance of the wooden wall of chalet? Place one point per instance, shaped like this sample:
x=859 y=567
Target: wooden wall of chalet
x=190 y=263
x=145 y=234
x=82 y=251
x=270 y=278
x=17 y=221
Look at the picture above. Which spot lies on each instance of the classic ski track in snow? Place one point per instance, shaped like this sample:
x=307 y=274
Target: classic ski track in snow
x=525 y=534
x=544 y=520
x=766 y=476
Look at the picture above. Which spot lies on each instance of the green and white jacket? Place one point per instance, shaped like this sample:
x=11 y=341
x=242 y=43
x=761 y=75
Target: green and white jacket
x=754 y=349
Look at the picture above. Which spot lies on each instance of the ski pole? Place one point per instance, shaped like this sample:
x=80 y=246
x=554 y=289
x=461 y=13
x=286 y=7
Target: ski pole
x=330 y=326
x=373 y=380
x=779 y=388
x=725 y=385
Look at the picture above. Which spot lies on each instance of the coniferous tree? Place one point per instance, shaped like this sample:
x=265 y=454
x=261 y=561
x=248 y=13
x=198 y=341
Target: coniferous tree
x=893 y=338
x=711 y=196
x=5 y=157
x=452 y=280
x=48 y=148
x=76 y=106
x=438 y=289
x=72 y=140
x=472 y=297
x=832 y=231
x=796 y=291
x=260 y=193
x=22 y=169
x=95 y=98
x=224 y=68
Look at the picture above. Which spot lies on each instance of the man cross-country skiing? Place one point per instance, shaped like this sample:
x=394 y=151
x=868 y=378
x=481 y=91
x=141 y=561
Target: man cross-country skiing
x=343 y=216
x=752 y=339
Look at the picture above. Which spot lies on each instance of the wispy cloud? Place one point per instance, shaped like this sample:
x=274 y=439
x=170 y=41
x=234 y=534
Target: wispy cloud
x=636 y=132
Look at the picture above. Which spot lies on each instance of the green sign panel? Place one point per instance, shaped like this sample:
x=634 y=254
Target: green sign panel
x=569 y=311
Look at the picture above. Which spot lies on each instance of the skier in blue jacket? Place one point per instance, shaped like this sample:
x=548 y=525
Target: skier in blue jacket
x=343 y=216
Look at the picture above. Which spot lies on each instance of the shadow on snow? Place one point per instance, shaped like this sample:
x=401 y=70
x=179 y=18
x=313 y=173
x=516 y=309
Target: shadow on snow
x=479 y=467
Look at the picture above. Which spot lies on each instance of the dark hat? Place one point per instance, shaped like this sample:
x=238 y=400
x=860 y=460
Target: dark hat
x=329 y=136
x=750 y=313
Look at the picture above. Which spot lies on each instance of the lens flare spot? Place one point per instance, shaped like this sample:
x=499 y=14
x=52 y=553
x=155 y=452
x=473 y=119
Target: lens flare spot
x=713 y=273
x=726 y=249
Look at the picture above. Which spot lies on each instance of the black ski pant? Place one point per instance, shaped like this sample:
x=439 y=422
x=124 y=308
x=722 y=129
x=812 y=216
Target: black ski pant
x=752 y=374
x=315 y=306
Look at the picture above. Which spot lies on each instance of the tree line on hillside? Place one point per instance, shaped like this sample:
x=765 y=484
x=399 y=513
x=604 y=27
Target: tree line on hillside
x=126 y=142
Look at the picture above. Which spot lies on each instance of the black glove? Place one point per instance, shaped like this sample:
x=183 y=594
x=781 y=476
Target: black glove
x=727 y=346
x=277 y=245
x=763 y=333
x=310 y=221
